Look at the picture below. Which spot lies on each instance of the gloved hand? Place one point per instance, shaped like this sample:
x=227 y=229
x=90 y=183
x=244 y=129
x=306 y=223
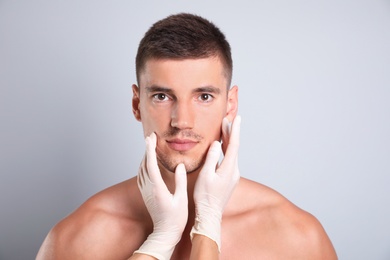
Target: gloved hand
x=169 y=212
x=215 y=185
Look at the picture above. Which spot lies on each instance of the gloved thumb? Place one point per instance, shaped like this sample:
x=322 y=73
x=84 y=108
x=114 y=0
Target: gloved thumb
x=180 y=180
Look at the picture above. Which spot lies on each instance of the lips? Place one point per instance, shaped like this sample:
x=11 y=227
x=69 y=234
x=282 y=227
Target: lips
x=181 y=145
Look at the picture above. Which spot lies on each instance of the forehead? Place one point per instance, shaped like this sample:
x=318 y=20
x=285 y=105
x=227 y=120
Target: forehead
x=183 y=73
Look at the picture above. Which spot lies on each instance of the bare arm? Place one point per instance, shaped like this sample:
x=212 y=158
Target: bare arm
x=203 y=248
x=139 y=256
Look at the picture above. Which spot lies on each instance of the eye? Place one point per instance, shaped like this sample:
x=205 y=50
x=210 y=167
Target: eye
x=205 y=97
x=160 y=97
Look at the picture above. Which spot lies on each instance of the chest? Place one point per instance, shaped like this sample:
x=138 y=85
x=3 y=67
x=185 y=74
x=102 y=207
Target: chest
x=238 y=241
x=237 y=247
x=246 y=238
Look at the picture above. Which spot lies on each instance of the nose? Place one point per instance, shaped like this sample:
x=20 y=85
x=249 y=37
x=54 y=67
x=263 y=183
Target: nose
x=182 y=116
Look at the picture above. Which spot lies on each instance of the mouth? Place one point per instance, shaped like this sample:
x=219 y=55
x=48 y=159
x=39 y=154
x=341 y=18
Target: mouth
x=181 y=145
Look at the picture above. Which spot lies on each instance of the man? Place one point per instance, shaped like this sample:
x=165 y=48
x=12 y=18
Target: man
x=181 y=196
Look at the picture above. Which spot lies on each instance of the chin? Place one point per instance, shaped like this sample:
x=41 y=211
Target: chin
x=191 y=165
x=193 y=168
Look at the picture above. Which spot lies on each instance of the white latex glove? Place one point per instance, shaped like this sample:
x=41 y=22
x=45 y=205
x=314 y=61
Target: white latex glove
x=169 y=212
x=215 y=185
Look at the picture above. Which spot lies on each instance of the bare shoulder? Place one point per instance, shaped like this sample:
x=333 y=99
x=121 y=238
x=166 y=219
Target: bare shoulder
x=107 y=226
x=277 y=226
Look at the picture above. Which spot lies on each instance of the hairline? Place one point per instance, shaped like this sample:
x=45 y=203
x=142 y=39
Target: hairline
x=227 y=71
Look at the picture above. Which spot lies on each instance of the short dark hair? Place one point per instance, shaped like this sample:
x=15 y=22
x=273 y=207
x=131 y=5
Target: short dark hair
x=184 y=36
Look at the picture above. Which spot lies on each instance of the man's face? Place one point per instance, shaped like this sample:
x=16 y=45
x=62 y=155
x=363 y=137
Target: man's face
x=183 y=102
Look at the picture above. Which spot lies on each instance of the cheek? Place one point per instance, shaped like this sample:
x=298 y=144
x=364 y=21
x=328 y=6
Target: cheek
x=210 y=120
x=154 y=121
x=211 y=127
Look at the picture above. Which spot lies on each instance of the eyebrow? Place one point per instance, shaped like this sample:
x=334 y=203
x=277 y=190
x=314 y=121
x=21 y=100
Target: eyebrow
x=209 y=89
x=155 y=88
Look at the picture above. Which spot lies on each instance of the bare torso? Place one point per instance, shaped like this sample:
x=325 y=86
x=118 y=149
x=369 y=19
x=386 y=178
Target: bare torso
x=258 y=223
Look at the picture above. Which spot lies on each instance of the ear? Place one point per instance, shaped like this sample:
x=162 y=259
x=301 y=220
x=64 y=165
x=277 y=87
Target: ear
x=135 y=102
x=232 y=103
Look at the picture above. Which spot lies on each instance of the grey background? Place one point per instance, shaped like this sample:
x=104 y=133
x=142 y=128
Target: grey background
x=314 y=97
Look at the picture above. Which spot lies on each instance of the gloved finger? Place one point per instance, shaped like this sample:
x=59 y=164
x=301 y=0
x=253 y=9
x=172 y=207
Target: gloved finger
x=151 y=160
x=212 y=157
x=180 y=181
x=230 y=159
x=225 y=134
x=235 y=131
x=141 y=174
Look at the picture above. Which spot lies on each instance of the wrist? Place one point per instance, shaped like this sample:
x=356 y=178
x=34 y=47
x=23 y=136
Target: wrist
x=207 y=223
x=204 y=248
x=160 y=244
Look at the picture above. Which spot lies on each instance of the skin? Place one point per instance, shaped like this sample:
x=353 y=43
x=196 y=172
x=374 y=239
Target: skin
x=202 y=248
x=258 y=222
